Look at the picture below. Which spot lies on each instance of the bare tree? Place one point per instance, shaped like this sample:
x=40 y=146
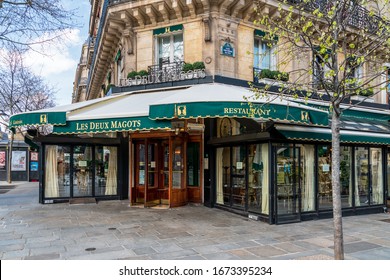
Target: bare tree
x=20 y=91
x=331 y=48
x=25 y=23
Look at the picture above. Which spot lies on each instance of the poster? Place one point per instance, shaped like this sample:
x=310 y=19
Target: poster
x=34 y=156
x=33 y=166
x=2 y=159
x=18 y=161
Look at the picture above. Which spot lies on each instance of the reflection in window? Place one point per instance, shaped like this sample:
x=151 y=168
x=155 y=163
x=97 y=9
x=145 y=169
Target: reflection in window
x=177 y=166
x=258 y=177
x=376 y=175
x=345 y=176
x=361 y=176
x=324 y=177
x=82 y=171
x=171 y=47
x=193 y=164
x=264 y=55
x=106 y=170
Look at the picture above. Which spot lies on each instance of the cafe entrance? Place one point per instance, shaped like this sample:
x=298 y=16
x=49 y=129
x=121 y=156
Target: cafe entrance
x=162 y=170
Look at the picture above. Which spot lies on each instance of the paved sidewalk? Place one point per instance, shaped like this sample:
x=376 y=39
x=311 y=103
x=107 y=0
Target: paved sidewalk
x=113 y=230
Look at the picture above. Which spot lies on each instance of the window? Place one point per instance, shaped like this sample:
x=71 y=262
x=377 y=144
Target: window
x=170 y=48
x=264 y=55
x=320 y=69
x=354 y=72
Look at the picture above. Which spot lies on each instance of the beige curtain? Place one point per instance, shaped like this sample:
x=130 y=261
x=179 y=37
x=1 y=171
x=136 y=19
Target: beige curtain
x=51 y=172
x=264 y=183
x=308 y=178
x=219 y=178
x=377 y=176
x=111 y=185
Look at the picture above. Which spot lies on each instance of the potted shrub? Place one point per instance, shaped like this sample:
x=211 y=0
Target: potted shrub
x=132 y=74
x=198 y=65
x=188 y=67
x=143 y=73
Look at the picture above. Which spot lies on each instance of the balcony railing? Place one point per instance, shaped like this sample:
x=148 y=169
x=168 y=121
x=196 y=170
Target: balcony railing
x=358 y=16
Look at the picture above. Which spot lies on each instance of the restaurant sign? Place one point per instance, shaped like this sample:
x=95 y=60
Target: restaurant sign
x=164 y=75
x=110 y=125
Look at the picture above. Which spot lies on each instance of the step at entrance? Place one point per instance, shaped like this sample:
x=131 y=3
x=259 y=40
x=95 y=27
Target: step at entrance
x=82 y=200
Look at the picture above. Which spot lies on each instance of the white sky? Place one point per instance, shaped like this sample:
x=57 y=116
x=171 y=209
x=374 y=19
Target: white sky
x=58 y=64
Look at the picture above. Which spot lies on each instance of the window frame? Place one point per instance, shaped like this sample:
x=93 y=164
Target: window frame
x=257 y=56
x=171 y=36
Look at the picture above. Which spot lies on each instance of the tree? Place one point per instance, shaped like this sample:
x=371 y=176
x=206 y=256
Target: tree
x=25 y=23
x=329 y=42
x=20 y=91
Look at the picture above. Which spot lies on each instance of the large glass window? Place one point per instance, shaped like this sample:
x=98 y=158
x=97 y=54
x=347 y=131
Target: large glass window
x=376 y=176
x=258 y=178
x=361 y=176
x=57 y=171
x=88 y=161
x=324 y=177
x=193 y=164
x=177 y=175
x=170 y=47
x=345 y=176
x=106 y=170
x=223 y=175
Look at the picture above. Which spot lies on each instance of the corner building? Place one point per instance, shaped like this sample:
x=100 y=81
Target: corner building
x=160 y=133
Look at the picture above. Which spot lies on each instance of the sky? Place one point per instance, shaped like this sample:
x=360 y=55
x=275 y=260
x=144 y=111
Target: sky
x=58 y=64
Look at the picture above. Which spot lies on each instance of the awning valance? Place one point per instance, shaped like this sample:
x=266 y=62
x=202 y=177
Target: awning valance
x=50 y=116
x=325 y=135
x=218 y=100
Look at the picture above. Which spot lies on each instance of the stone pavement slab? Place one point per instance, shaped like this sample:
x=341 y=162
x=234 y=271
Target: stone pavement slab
x=114 y=230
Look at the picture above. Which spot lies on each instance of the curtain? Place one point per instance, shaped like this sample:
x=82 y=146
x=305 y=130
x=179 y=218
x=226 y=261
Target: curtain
x=308 y=178
x=219 y=176
x=51 y=172
x=377 y=175
x=111 y=186
x=264 y=183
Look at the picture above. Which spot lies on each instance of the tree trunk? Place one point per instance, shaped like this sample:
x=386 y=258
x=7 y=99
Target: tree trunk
x=336 y=192
x=10 y=145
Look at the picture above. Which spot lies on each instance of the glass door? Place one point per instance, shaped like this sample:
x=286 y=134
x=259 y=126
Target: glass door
x=163 y=187
x=82 y=171
x=287 y=183
x=151 y=196
x=140 y=169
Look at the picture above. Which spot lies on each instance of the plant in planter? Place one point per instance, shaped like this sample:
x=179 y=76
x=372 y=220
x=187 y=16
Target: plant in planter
x=273 y=75
x=143 y=73
x=188 y=67
x=199 y=65
x=366 y=92
x=132 y=74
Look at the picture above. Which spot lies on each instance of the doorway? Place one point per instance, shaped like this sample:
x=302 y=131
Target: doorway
x=287 y=183
x=159 y=172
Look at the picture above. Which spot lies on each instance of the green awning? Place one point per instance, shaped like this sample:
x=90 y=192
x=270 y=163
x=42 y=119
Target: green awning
x=238 y=110
x=218 y=100
x=168 y=29
x=38 y=118
x=325 y=135
x=111 y=125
